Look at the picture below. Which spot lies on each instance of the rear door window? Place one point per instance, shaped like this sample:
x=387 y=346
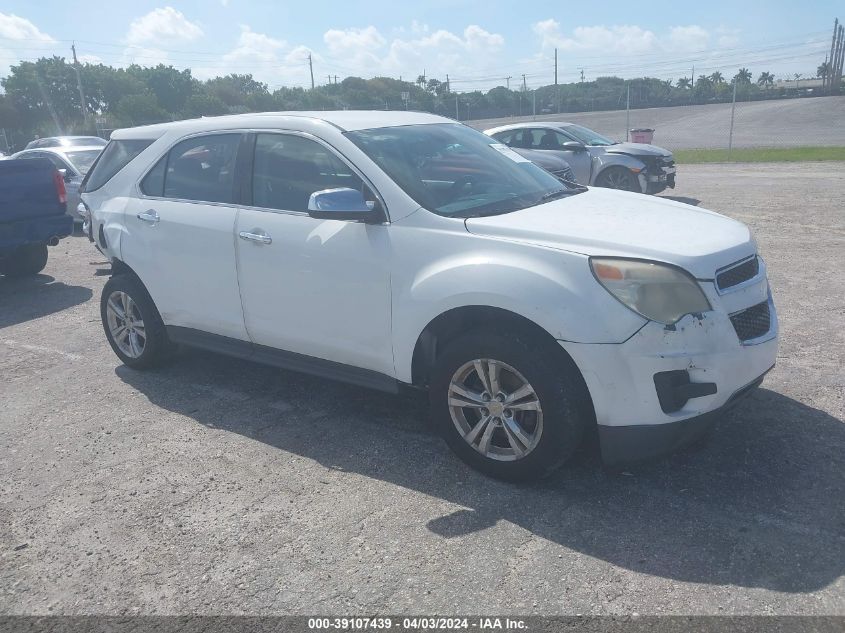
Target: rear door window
x=202 y=169
x=116 y=156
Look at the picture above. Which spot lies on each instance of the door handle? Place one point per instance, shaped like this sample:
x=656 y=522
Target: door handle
x=255 y=236
x=149 y=216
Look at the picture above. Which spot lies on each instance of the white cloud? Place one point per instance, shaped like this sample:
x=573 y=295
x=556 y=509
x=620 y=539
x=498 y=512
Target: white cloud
x=728 y=37
x=411 y=51
x=13 y=27
x=268 y=59
x=624 y=39
x=341 y=41
x=16 y=37
x=688 y=38
x=89 y=59
x=162 y=25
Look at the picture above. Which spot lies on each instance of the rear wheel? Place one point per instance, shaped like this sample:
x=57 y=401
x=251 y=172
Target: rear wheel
x=618 y=178
x=27 y=260
x=507 y=407
x=133 y=325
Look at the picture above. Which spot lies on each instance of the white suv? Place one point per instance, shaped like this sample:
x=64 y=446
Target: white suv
x=395 y=248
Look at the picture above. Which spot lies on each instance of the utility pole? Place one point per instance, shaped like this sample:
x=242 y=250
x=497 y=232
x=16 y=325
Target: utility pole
x=524 y=87
x=457 y=113
x=448 y=88
x=840 y=59
x=79 y=84
x=555 y=67
x=628 y=113
x=508 y=79
x=582 y=75
x=731 y=134
x=311 y=68
x=534 y=95
x=828 y=81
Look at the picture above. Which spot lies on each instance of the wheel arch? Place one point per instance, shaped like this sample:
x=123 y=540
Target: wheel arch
x=452 y=323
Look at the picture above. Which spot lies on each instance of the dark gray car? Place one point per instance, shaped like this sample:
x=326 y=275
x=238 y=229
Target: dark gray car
x=594 y=159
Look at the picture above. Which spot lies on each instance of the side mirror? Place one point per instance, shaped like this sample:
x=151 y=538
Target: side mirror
x=573 y=146
x=342 y=204
x=65 y=175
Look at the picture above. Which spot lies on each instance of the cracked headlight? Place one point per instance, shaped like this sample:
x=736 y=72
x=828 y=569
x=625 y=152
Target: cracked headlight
x=657 y=291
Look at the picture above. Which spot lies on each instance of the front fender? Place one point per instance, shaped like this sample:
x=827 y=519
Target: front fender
x=554 y=290
x=603 y=161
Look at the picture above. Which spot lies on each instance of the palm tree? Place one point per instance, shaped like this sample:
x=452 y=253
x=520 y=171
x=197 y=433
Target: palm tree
x=684 y=83
x=743 y=76
x=797 y=78
x=717 y=78
x=823 y=70
x=766 y=80
x=704 y=80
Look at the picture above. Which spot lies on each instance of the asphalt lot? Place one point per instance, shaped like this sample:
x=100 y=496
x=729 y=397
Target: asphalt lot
x=777 y=123
x=218 y=486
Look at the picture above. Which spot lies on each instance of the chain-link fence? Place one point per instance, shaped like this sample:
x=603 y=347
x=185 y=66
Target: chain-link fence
x=803 y=122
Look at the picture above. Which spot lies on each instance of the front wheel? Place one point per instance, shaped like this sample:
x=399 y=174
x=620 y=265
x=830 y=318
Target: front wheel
x=507 y=407
x=619 y=178
x=132 y=324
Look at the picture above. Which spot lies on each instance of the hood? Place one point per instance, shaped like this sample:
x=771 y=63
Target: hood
x=636 y=149
x=604 y=222
x=546 y=160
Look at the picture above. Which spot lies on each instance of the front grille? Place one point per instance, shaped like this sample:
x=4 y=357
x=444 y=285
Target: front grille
x=752 y=322
x=564 y=174
x=738 y=274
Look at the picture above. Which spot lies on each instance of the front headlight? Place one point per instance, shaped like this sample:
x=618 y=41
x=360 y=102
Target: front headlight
x=658 y=292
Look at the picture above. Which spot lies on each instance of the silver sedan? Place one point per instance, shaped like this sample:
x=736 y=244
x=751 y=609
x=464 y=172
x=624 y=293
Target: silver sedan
x=595 y=159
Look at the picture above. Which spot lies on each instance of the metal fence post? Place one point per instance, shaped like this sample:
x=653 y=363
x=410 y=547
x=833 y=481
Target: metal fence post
x=731 y=135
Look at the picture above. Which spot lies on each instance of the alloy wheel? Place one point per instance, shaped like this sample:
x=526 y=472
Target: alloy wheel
x=495 y=409
x=125 y=323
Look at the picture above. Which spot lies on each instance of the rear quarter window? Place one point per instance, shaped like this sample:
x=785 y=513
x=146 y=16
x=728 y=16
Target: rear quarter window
x=116 y=156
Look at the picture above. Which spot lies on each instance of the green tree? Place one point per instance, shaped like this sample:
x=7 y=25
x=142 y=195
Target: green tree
x=717 y=77
x=766 y=80
x=743 y=76
x=823 y=70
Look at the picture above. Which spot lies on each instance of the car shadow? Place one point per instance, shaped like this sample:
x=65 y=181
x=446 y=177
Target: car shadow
x=26 y=298
x=691 y=201
x=756 y=504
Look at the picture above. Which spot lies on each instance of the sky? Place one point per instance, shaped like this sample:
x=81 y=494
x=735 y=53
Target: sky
x=478 y=44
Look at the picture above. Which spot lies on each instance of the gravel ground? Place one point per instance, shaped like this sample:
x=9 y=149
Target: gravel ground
x=218 y=486
x=777 y=123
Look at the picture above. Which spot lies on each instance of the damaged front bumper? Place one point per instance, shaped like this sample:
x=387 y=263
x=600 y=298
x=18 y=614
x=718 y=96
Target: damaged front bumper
x=666 y=385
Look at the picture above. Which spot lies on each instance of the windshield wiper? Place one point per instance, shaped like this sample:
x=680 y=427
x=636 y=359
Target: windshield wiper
x=560 y=193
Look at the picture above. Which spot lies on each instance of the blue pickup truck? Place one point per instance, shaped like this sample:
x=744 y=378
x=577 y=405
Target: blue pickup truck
x=32 y=215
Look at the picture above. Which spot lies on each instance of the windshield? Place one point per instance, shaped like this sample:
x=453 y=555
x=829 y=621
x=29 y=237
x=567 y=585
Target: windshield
x=455 y=171
x=83 y=159
x=587 y=136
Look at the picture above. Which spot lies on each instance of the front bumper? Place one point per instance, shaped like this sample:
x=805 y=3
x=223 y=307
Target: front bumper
x=636 y=443
x=705 y=347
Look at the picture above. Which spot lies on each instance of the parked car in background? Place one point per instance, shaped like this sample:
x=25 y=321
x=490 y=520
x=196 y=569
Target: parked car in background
x=73 y=162
x=555 y=165
x=66 y=141
x=595 y=159
x=32 y=215
x=401 y=248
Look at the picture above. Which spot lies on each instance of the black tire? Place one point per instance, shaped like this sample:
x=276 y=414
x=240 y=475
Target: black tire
x=619 y=178
x=157 y=348
x=26 y=261
x=556 y=382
